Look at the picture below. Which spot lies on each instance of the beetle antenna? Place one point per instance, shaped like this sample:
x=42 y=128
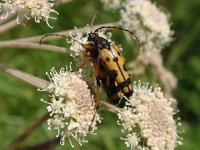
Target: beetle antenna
x=77 y=41
x=113 y=27
x=52 y=34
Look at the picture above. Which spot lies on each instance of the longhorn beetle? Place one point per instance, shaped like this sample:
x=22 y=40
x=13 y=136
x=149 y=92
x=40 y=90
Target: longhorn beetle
x=109 y=56
x=103 y=76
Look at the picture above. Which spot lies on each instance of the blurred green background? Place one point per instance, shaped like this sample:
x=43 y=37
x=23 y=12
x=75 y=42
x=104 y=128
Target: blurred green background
x=20 y=103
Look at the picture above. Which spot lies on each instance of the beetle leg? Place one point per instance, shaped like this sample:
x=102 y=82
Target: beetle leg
x=97 y=98
x=83 y=54
x=98 y=81
x=97 y=93
x=81 y=66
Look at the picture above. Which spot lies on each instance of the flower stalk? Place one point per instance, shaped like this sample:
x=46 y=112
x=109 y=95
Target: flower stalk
x=11 y=44
x=14 y=145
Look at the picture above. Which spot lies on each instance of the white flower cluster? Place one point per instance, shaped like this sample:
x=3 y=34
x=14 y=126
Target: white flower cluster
x=111 y=4
x=147 y=120
x=79 y=38
x=150 y=24
x=26 y=9
x=72 y=108
x=76 y=40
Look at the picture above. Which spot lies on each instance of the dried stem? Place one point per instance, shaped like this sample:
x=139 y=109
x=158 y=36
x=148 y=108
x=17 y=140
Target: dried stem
x=36 y=123
x=9 y=44
x=58 y=2
x=66 y=33
x=43 y=146
x=8 y=25
x=35 y=81
x=109 y=107
x=9 y=17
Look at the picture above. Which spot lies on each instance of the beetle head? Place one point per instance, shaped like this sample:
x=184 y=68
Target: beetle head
x=93 y=36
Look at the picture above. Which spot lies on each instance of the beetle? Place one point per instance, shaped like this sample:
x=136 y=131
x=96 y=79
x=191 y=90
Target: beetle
x=114 y=76
x=112 y=59
x=103 y=78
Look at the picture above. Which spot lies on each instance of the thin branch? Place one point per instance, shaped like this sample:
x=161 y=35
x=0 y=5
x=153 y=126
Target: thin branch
x=9 y=17
x=35 y=81
x=66 y=33
x=109 y=107
x=9 y=44
x=8 y=25
x=58 y=2
x=15 y=143
x=43 y=146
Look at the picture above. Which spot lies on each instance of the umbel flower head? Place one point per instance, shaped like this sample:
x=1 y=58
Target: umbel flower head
x=150 y=24
x=147 y=120
x=27 y=9
x=71 y=107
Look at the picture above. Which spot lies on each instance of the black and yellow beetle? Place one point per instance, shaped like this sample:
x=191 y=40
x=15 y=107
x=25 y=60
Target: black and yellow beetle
x=109 y=66
x=103 y=78
x=112 y=60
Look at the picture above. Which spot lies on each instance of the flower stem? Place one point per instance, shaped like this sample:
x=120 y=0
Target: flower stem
x=8 y=26
x=47 y=145
x=27 y=131
x=109 y=107
x=35 y=81
x=58 y=2
x=12 y=44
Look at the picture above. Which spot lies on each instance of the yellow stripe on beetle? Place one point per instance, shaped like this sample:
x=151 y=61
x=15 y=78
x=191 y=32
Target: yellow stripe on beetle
x=114 y=62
